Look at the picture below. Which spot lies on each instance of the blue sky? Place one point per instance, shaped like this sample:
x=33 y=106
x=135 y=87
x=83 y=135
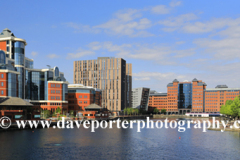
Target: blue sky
x=163 y=40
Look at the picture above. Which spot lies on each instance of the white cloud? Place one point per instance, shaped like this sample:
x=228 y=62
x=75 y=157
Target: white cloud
x=52 y=56
x=160 y=9
x=127 y=22
x=142 y=79
x=174 y=23
x=79 y=53
x=180 y=42
x=175 y=3
x=34 y=54
x=80 y=28
x=184 y=23
x=162 y=54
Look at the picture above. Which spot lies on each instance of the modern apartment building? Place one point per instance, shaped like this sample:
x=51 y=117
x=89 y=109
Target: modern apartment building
x=113 y=76
x=80 y=96
x=140 y=98
x=45 y=88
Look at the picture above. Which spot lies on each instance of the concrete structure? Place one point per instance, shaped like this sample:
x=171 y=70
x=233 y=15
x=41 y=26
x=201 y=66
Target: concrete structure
x=112 y=75
x=140 y=98
x=45 y=88
x=80 y=96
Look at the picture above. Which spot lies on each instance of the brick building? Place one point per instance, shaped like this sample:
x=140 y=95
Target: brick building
x=80 y=96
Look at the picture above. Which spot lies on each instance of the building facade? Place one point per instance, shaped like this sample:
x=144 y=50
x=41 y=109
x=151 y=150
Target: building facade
x=45 y=88
x=113 y=76
x=216 y=97
x=181 y=97
x=157 y=100
x=140 y=98
x=192 y=96
x=80 y=96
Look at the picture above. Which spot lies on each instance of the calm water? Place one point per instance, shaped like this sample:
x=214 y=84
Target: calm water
x=118 y=144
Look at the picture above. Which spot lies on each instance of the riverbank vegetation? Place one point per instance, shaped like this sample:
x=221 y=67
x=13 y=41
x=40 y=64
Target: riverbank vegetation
x=231 y=108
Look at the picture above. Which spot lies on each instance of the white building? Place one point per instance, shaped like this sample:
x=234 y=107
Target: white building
x=140 y=98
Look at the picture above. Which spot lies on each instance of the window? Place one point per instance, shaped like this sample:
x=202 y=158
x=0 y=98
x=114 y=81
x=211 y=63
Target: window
x=80 y=96
x=7 y=41
x=1 y=92
x=52 y=85
x=1 y=83
x=2 y=75
x=80 y=101
x=85 y=96
x=57 y=97
x=52 y=91
x=52 y=97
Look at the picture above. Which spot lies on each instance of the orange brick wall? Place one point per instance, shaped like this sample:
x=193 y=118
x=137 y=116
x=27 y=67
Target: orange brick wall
x=197 y=97
x=214 y=100
x=159 y=102
x=172 y=98
x=55 y=88
x=3 y=45
x=5 y=84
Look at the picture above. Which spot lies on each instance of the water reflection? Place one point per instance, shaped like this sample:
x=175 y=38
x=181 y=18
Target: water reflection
x=119 y=144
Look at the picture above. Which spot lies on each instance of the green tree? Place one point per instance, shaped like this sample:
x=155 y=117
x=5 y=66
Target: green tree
x=46 y=113
x=137 y=111
x=235 y=107
x=163 y=111
x=58 y=110
x=155 y=110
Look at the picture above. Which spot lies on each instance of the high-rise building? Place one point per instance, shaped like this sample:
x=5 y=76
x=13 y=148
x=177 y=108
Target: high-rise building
x=112 y=75
x=140 y=98
x=46 y=88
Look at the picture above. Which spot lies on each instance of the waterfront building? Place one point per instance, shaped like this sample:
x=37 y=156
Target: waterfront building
x=94 y=111
x=198 y=88
x=140 y=98
x=172 y=97
x=45 y=88
x=17 y=109
x=80 y=96
x=181 y=97
x=157 y=100
x=216 y=97
x=112 y=75
x=185 y=95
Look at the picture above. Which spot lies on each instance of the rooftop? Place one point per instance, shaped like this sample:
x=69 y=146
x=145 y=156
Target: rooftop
x=6 y=33
x=93 y=106
x=14 y=101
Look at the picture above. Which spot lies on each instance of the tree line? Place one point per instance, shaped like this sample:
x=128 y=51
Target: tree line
x=231 y=107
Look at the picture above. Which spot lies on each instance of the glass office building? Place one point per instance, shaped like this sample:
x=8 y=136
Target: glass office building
x=185 y=95
x=23 y=80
